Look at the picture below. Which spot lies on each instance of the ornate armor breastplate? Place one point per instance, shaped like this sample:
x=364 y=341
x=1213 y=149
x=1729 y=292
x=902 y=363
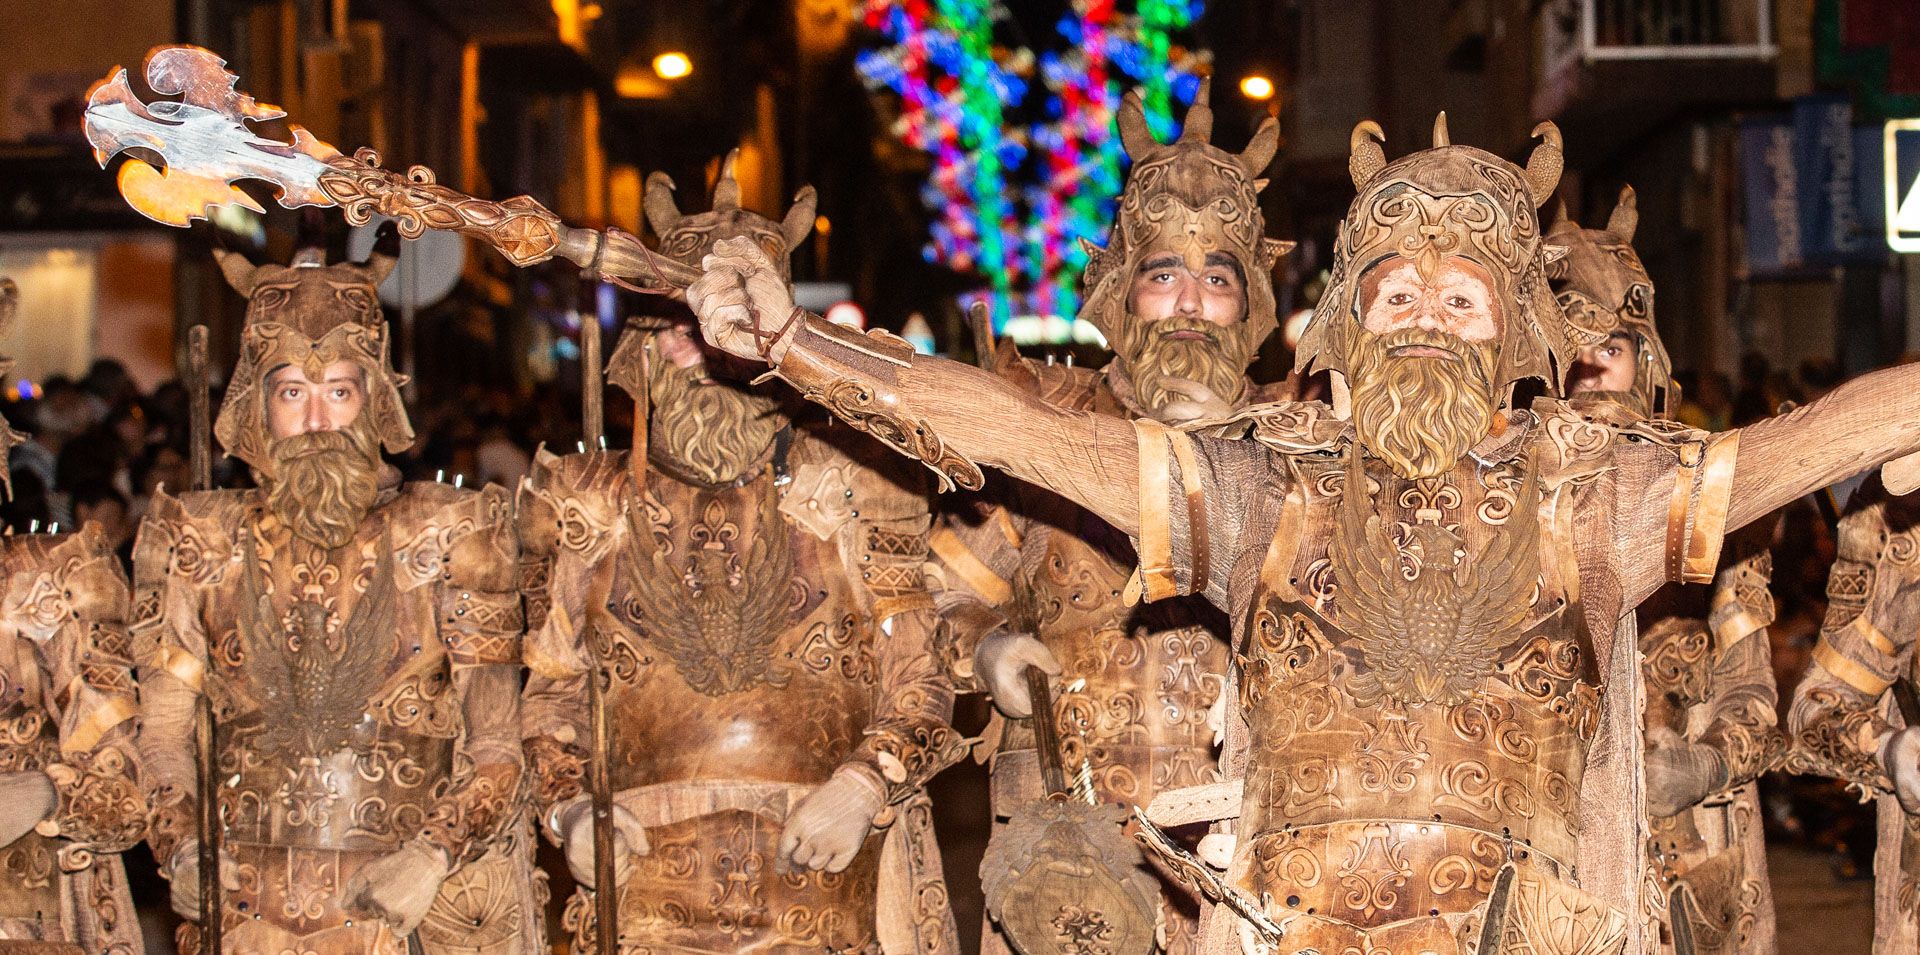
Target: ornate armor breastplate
x=737 y=646
x=340 y=730
x=1415 y=724
x=1138 y=680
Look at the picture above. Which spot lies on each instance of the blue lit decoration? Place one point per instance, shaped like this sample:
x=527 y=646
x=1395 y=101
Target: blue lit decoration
x=1012 y=202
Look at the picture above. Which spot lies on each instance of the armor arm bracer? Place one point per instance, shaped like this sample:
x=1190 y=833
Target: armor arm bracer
x=1838 y=720
x=97 y=779
x=955 y=417
x=1744 y=725
x=484 y=801
x=169 y=647
x=910 y=738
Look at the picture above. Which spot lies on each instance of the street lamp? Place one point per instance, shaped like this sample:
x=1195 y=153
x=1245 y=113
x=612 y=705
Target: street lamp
x=672 y=65
x=1256 y=87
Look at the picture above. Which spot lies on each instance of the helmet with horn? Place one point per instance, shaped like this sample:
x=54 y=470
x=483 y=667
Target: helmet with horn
x=1190 y=198
x=311 y=315
x=9 y=308
x=1604 y=290
x=1449 y=201
x=688 y=238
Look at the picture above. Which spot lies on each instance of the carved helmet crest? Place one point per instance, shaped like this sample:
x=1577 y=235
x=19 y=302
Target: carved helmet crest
x=309 y=314
x=1191 y=198
x=687 y=238
x=1442 y=201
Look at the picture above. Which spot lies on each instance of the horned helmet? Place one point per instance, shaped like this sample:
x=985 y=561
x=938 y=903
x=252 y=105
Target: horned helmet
x=1445 y=201
x=1603 y=289
x=9 y=438
x=1191 y=198
x=309 y=314
x=688 y=238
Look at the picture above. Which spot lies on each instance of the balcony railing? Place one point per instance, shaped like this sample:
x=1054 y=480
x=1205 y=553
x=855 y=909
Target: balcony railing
x=1594 y=30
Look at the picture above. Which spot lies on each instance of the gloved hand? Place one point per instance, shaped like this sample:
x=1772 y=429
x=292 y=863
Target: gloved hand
x=1001 y=663
x=1680 y=773
x=26 y=799
x=1197 y=403
x=574 y=823
x=399 y=887
x=828 y=828
x=743 y=303
x=183 y=872
x=1901 y=755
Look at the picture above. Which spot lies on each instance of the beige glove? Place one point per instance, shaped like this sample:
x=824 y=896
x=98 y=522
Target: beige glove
x=398 y=888
x=573 y=821
x=1197 y=403
x=26 y=799
x=737 y=275
x=183 y=872
x=828 y=828
x=1901 y=755
x=1001 y=664
x=1680 y=773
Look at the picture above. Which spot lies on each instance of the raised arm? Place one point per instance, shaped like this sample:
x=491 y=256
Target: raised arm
x=951 y=416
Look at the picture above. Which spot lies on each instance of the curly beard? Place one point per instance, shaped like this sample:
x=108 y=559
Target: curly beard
x=713 y=430
x=325 y=482
x=1217 y=360
x=1419 y=414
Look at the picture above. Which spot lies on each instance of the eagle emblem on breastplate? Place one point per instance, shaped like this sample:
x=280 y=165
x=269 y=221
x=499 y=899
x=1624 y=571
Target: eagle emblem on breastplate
x=1429 y=628
x=718 y=617
x=314 y=685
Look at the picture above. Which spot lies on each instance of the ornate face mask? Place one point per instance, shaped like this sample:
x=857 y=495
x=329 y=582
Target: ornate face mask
x=1193 y=202
x=1448 y=203
x=715 y=430
x=1603 y=290
x=9 y=308
x=310 y=316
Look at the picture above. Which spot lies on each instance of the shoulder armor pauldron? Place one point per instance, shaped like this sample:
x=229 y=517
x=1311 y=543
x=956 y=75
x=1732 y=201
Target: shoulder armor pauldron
x=1296 y=427
x=573 y=503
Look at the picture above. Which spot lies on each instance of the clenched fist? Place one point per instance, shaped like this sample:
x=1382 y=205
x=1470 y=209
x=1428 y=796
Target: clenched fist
x=183 y=872
x=744 y=306
x=574 y=823
x=398 y=888
x=1902 y=757
x=828 y=828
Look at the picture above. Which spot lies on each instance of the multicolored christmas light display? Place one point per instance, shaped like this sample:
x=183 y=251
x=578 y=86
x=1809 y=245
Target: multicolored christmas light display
x=1012 y=201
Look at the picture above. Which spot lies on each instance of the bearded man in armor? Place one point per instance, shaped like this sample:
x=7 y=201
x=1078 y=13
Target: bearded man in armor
x=364 y=639
x=753 y=587
x=70 y=797
x=1436 y=743
x=1184 y=292
x=1711 y=723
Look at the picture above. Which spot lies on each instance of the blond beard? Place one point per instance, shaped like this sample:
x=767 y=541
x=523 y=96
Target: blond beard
x=1218 y=361
x=1419 y=414
x=714 y=431
x=325 y=482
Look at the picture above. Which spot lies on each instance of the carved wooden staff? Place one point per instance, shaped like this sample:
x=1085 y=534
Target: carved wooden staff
x=600 y=783
x=200 y=459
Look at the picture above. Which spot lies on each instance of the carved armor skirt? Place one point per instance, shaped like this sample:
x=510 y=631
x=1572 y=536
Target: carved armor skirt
x=709 y=885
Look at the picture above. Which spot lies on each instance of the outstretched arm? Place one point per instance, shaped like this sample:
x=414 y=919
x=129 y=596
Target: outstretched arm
x=952 y=416
x=1862 y=424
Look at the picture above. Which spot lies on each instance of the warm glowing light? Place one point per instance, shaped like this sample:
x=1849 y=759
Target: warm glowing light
x=848 y=314
x=672 y=66
x=1256 y=87
x=822 y=225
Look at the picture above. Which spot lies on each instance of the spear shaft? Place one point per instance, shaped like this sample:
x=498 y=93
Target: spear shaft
x=206 y=733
